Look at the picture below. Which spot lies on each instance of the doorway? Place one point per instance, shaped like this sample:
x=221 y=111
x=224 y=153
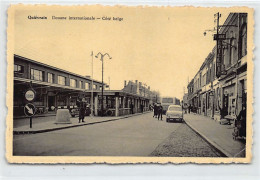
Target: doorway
x=51 y=103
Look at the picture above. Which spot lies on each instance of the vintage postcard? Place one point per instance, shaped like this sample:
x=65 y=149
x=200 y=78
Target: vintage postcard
x=121 y=84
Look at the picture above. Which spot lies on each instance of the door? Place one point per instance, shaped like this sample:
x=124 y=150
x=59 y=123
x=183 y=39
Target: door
x=225 y=104
x=51 y=104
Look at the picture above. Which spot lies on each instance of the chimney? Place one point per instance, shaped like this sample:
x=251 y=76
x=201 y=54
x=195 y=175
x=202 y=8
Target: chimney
x=125 y=83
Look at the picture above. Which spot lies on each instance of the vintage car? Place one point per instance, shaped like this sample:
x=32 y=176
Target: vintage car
x=174 y=113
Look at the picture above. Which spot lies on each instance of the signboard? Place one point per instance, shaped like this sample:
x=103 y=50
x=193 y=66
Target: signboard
x=29 y=109
x=219 y=36
x=219 y=59
x=29 y=95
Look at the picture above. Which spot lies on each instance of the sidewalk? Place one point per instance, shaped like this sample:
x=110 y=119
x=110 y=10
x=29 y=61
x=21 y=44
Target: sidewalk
x=46 y=124
x=220 y=136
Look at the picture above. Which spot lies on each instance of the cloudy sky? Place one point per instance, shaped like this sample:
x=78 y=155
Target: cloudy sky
x=161 y=47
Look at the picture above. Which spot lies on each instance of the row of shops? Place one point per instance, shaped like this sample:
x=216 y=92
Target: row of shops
x=223 y=96
x=59 y=89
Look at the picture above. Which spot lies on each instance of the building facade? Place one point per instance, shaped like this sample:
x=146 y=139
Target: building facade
x=59 y=89
x=209 y=92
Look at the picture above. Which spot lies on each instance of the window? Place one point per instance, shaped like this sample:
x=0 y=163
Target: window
x=232 y=48
x=61 y=80
x=243 y=41
x=80 y=84
x=86 y=85
x=95 y=86
x=36 y=75
x=100 y=87
x=175 y=108
x=50 y=78
x=18 y=68
x=73 y=83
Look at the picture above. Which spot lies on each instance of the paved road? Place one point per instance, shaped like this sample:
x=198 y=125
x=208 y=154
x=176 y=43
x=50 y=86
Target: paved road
x=134 y=136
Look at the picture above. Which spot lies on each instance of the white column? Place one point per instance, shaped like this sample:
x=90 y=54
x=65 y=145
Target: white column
x=96 y=105
x=136 y=105
x=117 y=107
x=124 y=111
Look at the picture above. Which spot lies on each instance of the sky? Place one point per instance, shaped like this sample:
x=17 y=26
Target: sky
x=161 y=47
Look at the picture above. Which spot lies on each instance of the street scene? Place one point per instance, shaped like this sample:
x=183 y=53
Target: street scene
x=123 y=85
x=120 y=137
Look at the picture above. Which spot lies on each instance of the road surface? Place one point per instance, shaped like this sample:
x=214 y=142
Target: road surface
x=140 y=135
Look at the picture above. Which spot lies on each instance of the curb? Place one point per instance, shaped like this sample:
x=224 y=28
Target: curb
x=211 y=143
x=77 y=125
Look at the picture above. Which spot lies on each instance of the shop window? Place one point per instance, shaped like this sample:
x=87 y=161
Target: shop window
x=73 y=83
x=18 y=68
x=232 y=51
x=36 y=75
x=50 y=78
x=61 y=80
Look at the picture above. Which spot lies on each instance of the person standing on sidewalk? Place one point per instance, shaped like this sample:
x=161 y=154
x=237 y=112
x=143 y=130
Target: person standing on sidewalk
x=160 y=110
x=82 y=109
x=242 y=118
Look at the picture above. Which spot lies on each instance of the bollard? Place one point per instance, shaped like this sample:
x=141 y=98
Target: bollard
x=63 y=116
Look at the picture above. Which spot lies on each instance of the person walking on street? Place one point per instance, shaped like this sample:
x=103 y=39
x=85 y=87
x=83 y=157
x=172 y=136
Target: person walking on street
x=155 y=110
x=160 y=109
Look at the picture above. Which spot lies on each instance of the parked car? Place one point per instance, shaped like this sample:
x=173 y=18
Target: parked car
x=174 y=113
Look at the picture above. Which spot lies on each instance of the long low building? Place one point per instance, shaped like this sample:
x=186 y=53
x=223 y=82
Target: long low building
x=56 y=89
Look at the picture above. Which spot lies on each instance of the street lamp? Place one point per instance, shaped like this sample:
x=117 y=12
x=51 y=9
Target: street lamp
x=101 y=58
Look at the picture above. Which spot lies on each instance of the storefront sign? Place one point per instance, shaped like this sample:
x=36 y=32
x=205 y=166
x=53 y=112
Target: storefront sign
x=219 y=59
x=219 y=36
x=30 y=95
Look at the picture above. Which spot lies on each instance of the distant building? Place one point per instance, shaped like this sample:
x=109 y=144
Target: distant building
x=141 y=89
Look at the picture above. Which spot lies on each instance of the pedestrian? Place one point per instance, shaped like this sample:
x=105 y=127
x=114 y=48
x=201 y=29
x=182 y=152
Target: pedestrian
x=189 y=108
x=222 y=112
x=160 y=111
x=82 y=109
x=242 y=118
x=155 y=110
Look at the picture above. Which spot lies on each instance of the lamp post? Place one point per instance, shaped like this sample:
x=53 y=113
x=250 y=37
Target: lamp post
x=102 y=93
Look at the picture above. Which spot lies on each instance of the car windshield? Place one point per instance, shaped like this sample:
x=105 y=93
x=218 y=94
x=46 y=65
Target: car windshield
x=174 y=108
